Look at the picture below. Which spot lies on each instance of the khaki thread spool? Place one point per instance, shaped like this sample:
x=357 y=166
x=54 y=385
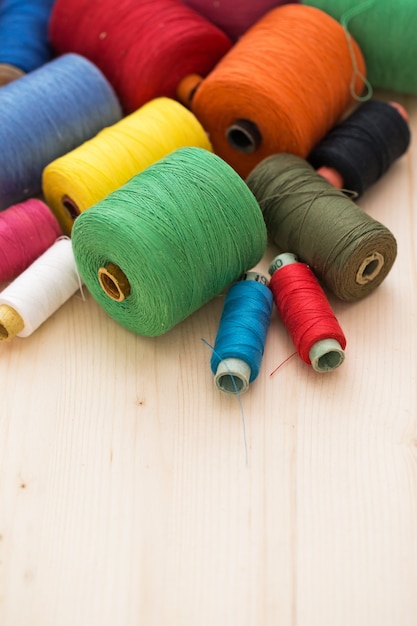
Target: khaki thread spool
x=350 y=252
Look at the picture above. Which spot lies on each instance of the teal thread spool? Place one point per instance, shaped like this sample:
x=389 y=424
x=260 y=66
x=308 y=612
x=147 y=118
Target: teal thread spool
x=174 y=236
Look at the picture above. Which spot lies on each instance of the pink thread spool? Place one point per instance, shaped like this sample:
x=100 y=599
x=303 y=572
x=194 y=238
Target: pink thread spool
x=27 y=229
x=234 y=17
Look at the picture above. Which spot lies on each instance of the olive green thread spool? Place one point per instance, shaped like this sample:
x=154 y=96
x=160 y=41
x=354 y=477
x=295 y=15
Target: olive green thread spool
x=349 y=251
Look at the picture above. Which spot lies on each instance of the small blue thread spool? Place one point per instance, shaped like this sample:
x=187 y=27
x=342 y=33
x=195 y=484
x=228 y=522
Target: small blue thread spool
x=240 y=340
x=24 y=41
x=44 y=115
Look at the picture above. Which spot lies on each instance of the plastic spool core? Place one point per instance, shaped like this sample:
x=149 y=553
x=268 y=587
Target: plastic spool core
x=114 y=282
x=232 y=376
x=187 y=88
x=70 y=207
x=369 y=268
x=326 y=355
x=244 y=136
x=11 y=323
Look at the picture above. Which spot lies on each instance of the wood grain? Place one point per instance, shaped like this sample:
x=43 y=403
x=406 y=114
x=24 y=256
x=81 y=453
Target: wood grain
x=125 y=496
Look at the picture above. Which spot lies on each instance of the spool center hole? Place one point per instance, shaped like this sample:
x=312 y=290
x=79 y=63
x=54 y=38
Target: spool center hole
x=3 y=332
x=70 y=207
x=114 y=282
x=244 y=136
x=230 y=384
x=370 y=268
x=329 y=361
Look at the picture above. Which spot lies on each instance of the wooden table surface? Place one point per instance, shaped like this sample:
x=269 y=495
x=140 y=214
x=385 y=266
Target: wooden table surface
x=126 y=498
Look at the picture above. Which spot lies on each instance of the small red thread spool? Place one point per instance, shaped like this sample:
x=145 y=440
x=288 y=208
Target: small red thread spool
x=306 y=313
x=27 y=230
x=145 y=48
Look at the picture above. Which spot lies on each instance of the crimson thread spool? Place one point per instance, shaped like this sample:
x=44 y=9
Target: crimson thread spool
x=281 y=88
x=356 y=153
x=144 y=47
x=27 y=230
x=306 y=313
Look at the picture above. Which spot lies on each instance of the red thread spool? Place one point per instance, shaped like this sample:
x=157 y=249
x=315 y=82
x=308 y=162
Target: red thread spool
x=27 y=230
x=145 y=48
x=306 y=313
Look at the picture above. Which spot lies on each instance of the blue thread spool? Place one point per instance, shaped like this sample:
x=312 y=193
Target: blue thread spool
x=44 y=115
x=240 y=340
x=24 y=42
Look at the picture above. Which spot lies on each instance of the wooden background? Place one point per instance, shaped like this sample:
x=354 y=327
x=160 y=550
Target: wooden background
x=125 y=496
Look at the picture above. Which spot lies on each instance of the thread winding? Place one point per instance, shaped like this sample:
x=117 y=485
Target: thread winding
x=41 y=121
x=101 y=165
x=26 y=231
x=348 y=250
x=306 y=313
x=24 y=41
x=178 y=233
x=241 y=336
x=235 y=17
x=144 y=47
x=281 y=88
x=38 y=292
x=362 y=148
x=386 y=33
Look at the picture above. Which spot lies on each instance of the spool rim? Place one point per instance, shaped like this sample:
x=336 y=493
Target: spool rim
x=369 y=269
x=326 y=355
x=114 y=282
x=244 y=136
x=70 y=207
x=232 y=376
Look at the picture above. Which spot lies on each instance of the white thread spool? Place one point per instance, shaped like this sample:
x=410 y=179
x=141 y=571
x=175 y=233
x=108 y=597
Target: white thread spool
x=39 y=291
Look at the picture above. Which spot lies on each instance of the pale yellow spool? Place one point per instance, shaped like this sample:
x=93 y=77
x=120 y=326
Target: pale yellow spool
x=74 y=182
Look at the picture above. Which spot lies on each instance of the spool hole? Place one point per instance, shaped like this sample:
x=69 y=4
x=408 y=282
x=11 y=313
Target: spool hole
x=230 y=384
x=114 y=282
x=70 y=207
x=330 y=361
x=370 y=268
x=4 y=333
x=244 y=136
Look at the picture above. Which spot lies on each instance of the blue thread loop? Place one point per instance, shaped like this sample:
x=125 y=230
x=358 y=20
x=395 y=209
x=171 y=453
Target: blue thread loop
x=242 y=333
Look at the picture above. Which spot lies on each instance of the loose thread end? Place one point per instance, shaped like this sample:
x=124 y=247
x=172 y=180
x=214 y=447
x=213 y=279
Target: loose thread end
x=11 y=324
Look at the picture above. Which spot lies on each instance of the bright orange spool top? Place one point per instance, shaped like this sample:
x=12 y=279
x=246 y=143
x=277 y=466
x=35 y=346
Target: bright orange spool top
x=291 y=77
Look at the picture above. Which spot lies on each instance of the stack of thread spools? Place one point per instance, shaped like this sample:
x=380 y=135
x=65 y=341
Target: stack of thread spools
x=151 y=147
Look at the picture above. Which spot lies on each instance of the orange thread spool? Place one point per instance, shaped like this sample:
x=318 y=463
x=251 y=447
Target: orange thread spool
x=281 y=87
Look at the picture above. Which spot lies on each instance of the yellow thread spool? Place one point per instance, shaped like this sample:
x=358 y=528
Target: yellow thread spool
x=86 y=175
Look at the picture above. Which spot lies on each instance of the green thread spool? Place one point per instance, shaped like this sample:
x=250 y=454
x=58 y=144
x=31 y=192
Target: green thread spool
x=349 y=251
x=386 y=33
x=175 y=235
